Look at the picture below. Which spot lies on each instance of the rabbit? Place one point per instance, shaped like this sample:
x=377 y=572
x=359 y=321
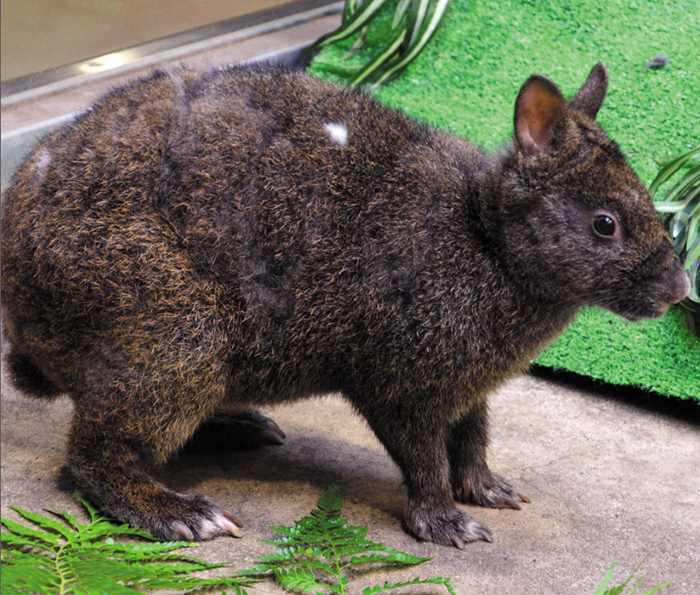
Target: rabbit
x=198 y=245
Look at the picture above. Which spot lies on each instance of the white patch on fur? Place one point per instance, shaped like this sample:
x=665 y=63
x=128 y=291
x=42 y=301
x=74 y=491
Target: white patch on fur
x=338 y=133
x=176 y=80
x=180 y=99
x=43 y=161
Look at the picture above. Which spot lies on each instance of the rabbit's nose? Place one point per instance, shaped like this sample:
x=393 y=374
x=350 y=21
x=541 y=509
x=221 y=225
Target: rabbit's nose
x=676 y=282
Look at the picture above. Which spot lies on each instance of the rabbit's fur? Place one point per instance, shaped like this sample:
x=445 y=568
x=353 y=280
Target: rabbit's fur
x=253 y=235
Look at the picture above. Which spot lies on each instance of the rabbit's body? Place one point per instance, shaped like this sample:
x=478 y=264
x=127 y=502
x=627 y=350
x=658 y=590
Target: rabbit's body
x=255 y=236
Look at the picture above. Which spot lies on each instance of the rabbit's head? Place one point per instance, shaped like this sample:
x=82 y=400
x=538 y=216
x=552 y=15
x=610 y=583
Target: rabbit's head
x=574 y=222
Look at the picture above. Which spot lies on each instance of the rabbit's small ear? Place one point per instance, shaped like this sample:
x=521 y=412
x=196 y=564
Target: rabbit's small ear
x=538 y=108
x=591 y=95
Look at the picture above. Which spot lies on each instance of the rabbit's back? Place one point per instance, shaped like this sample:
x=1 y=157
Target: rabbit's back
x=263 y=209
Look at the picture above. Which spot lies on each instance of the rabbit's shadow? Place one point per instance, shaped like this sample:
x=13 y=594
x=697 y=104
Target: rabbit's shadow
x=314 y=460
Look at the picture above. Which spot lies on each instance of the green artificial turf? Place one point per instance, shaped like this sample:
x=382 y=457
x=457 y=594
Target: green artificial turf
x=468 y=77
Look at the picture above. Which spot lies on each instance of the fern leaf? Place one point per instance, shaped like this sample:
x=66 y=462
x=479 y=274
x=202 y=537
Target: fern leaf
x=31 y=536
x=29 y=559
x=68 y=518
x=351 y=550
x=316 y=552
x=45 y=523
x=397 y=558
x=39 y=581
x=61 y=556
x=354 y=532
x=11 y=541
x=258 y=569
x=416 y=581
x=271 y=564
x=316 y=565
x=285 y=554
x=95 y=514
x=297 y=579
x=102 y=529
x=331 y=503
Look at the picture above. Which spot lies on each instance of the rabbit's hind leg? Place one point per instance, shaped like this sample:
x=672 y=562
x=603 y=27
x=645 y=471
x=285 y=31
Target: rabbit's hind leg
x=144 y=393
x=103 y=457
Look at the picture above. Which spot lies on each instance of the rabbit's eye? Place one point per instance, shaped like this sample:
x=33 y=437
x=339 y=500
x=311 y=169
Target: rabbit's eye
x=604 y=225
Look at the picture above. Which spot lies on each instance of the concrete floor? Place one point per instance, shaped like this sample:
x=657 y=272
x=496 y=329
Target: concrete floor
x=609 y=482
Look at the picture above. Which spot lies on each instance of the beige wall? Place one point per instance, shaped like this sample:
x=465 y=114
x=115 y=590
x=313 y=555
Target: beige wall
x=41 y=34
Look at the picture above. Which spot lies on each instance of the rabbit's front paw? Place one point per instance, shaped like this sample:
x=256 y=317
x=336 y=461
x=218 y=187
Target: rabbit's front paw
x=450 y=527
x=188 y=517
x=491 y=492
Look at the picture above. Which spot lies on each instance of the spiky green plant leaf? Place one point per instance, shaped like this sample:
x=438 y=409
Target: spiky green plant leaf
x=319 y=552
x=414 y=24
x=61 y=556
x=620 y=589
x=681 y=211
x=355 y=17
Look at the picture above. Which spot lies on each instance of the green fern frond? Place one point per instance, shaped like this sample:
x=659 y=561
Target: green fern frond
x=61 y=556
x=318 y=552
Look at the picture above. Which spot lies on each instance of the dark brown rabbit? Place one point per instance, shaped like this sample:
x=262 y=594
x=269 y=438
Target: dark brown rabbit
x=253 y=236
